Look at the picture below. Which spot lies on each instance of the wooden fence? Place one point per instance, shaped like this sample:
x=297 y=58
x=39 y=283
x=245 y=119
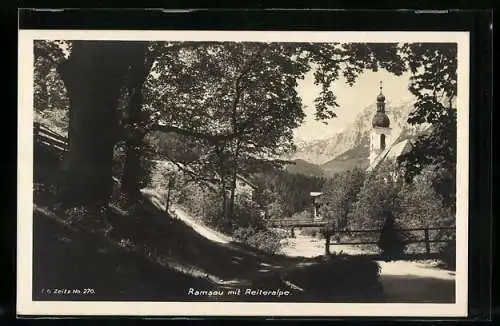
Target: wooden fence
x=423 y=238
x=44 y=136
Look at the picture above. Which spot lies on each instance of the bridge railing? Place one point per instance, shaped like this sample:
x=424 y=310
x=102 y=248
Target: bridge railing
x=297 y=223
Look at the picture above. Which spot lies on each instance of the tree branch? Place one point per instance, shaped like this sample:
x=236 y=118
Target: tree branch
x=43 y=53
x=194 y=176
x=213 y=138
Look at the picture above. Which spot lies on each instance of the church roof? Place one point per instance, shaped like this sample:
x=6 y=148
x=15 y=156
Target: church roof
x=399 y=149
x=392 y=152
x=380 y=120
x=381 y=97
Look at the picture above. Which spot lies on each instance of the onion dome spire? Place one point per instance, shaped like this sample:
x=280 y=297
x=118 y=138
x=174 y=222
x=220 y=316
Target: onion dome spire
x=380 y=119
x=381 y=99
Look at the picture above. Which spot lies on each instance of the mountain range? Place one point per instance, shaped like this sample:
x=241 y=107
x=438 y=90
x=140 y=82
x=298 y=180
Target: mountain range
x=349 y=148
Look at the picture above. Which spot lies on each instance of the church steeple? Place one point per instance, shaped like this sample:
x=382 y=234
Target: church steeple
x=380 y=120
x=380 y=134
x=381 y=100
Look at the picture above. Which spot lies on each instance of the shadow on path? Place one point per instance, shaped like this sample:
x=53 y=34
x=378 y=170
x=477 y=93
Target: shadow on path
x=414 y=289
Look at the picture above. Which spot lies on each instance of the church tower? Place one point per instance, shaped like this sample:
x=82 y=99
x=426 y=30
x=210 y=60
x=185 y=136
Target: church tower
x=380 y=134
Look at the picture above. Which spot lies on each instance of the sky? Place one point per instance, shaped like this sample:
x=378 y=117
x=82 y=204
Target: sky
x=351 y=100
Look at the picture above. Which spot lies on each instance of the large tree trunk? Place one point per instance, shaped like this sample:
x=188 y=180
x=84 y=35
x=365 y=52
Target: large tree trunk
x=327 y=243
x=135 y=130
x=94 y=75
x=233 y=195
x=224 y=202
x=132 y=171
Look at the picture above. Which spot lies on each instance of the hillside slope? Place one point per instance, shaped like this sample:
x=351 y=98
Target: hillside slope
x=148 y=256
x=304 y=167
x=354 y=157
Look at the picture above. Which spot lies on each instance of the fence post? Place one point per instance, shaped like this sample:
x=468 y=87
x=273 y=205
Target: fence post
x=327 y=242
x=167 y=200
x=427 y=243
x=36 y=130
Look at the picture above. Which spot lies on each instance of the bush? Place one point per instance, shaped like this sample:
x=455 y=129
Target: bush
x=354 y=279
x=312 y=232
x=45 y=194
x=304 y=215
x=75 y=215
x=246 y=213
x=145 y=167
x=391 y=242
x=201 y=203
x=262 y=239
x=448 y=256
x=246 y=223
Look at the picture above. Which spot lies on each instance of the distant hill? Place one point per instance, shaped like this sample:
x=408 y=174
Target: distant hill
x=354 y=157
x=304 y=167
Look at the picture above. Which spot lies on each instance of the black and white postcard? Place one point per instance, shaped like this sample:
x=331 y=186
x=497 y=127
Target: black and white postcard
x=238 y=173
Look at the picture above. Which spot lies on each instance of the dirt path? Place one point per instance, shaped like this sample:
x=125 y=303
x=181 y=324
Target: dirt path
x=412 y=282
x=201 y=229
x=306 y=246
x=403 y=281
x=182 y=215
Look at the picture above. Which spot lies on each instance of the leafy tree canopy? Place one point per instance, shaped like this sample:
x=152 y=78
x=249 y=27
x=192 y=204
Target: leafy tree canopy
x=339 y=195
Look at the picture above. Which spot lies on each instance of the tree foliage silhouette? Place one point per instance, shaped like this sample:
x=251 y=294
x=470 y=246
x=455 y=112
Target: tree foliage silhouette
x=234 y=103
x=434 y=83
x=339 y=194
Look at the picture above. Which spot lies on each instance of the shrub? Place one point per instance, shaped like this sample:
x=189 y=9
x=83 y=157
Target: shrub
x=206 y=204
x=448 y=256
x=312 y=232
x=247 y=214
x=262 y=239
x=76 y=214
x=304 y=215
x=45 y=194
x=246 y=223
x=201 y=203
x=346 y=278
x=391 y=242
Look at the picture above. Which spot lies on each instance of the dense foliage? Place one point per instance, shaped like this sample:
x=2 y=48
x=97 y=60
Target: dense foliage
x=434 y=83
x=341 y=277
x=338 y=197
x=386 y=202
x=378 y=194
x=290 y=192
x=246 y=225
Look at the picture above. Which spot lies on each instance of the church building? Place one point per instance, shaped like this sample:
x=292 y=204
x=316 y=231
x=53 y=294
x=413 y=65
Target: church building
x=380 y=134
x=383 y=145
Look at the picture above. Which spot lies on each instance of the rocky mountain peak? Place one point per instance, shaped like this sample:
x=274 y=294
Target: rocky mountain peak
x=355 y=135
